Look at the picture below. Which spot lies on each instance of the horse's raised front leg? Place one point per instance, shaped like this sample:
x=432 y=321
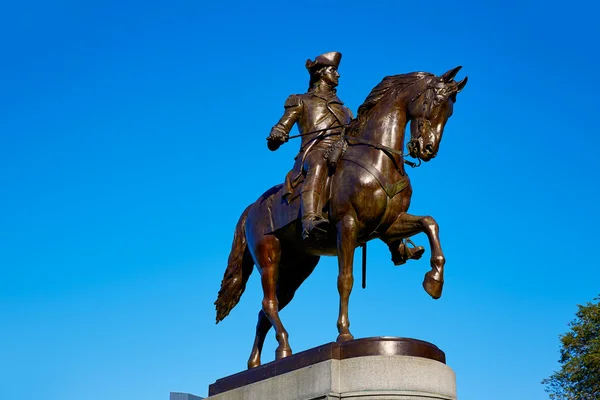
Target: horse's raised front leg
x=268 y=256
x=346 y=243
x=408 y=225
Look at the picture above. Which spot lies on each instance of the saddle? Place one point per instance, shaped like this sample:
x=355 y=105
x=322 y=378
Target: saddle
x=287 y=199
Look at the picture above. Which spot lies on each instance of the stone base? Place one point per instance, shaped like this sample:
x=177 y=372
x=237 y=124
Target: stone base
x=373 y=369
x=183 y=396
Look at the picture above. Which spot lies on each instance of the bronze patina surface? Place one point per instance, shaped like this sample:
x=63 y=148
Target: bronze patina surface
x=348 y=186
x=377 y=346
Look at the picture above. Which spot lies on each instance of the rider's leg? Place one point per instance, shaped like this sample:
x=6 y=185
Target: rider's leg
x=316 y=172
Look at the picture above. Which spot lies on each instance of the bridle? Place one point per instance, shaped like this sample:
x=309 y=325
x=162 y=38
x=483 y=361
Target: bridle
x=424 y=122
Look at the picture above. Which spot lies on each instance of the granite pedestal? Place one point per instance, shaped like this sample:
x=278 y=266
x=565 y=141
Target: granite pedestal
x=383 y=368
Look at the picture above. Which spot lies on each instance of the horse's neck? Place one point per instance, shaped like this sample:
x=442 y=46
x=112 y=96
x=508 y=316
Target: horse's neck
x=386 y=127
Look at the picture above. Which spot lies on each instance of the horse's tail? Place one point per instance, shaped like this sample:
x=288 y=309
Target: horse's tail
x=239 y=268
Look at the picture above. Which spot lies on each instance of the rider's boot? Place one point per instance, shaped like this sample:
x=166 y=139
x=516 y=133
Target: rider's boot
x=314 y=226
x=402 y=252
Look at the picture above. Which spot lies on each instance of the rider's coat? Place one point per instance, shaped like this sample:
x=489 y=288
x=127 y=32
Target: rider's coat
x=315 y=111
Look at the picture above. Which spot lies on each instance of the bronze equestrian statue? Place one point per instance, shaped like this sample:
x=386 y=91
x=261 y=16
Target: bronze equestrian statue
x=366 y=198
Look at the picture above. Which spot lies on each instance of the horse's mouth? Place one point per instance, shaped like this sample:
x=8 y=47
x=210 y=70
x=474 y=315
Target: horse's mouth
x=416 y=151
x=426 y=156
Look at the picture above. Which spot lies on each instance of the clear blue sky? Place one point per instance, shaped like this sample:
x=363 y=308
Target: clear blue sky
x=132 y=135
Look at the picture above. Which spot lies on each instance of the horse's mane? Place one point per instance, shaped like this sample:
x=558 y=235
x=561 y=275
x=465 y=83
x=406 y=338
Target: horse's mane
x=389 y=87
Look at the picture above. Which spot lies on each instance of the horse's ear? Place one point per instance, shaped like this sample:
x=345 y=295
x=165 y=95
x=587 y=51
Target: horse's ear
x=460 y=85
x=449 y=75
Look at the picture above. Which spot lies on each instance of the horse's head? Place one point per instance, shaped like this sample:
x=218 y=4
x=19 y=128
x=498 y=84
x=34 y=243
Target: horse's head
x=429 y=110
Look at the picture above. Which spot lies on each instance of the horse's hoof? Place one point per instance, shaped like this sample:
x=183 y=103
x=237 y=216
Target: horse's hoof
x=344 y=337
x=253 y=362
x=282 y=353
x=433 y=287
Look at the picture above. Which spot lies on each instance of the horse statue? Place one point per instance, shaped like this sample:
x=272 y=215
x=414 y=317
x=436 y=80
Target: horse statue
x=368 y=198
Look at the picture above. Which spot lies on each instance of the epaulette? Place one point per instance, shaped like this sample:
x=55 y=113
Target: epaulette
x=293 y=101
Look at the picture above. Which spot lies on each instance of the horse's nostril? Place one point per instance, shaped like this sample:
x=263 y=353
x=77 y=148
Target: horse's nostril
x=429 y=148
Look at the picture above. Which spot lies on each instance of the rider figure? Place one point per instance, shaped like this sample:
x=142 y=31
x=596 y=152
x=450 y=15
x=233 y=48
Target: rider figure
x=320 y=116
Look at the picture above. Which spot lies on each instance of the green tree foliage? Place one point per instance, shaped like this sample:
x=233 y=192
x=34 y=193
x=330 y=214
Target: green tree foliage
x=579 y=376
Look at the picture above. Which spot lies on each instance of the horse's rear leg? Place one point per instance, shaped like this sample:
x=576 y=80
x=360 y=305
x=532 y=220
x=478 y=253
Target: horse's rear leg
x=298 y=271
x=268 y=256
x=262 y=328
x=408 y=225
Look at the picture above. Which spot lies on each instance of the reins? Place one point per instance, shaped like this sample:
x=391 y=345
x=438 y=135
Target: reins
x=366 y=142
x=318 y=131
x=385 y=149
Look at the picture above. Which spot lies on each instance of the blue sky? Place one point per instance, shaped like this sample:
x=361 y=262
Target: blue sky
x=132 y=137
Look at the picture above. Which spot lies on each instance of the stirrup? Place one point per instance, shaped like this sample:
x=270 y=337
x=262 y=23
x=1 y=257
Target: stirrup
x=415 y=252
x=314 y=227
x=405 y=253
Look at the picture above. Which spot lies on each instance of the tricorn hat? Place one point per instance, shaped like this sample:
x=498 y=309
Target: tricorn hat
x=332 y=59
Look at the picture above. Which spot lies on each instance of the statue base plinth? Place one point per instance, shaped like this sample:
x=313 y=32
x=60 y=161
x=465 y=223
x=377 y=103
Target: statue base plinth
x=382 y=368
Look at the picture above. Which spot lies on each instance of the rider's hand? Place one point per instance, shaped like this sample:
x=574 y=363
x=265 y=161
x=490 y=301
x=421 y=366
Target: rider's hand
x=278 y=134
x=276 y=138
x=273 y=144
